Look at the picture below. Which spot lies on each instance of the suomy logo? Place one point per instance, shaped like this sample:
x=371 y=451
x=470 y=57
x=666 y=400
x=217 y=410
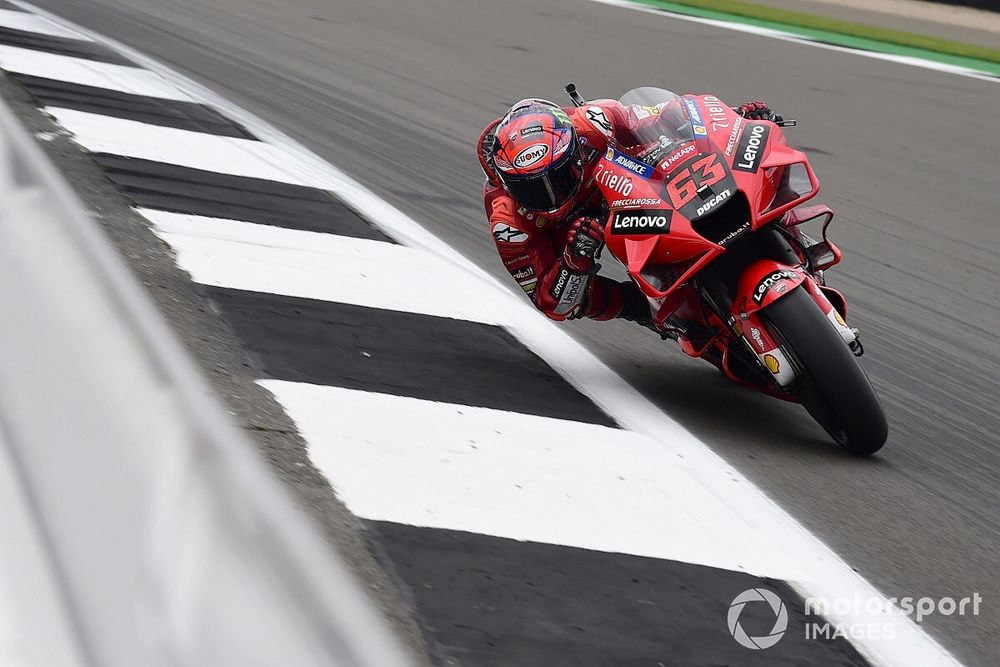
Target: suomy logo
x=641 y=222
x=531 y=155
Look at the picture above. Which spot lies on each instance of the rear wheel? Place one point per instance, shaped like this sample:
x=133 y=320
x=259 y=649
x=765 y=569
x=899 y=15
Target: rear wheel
x=829 y=380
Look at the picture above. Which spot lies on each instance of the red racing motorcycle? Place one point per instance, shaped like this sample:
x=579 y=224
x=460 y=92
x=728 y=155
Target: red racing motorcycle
x=706 y=214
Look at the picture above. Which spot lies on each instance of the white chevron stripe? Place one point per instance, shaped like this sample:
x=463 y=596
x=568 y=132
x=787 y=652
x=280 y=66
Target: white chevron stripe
x=28 y=22
x=523 y=477
x=224 y=155
x=329 y=267
x=88 y=73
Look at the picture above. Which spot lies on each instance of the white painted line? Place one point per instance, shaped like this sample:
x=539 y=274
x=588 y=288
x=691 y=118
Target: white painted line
x=224 y=155
x=311 y=265
x=825 y=573
x=799 y=39
x=522 y=477
x=88 y=73
x=28 y=22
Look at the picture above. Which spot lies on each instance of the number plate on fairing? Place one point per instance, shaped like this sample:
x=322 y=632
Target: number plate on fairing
x=700 y=185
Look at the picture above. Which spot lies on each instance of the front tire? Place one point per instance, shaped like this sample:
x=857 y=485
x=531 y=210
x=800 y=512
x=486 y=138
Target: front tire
x=829 y=379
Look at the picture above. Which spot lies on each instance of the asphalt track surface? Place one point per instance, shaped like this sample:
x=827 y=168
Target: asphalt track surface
x=395 y=94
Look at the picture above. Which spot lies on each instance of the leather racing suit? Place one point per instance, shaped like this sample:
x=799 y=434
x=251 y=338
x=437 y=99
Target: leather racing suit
x=533 y=245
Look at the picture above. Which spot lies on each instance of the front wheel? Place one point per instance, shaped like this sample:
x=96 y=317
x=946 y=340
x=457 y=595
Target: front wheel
x=829 y=380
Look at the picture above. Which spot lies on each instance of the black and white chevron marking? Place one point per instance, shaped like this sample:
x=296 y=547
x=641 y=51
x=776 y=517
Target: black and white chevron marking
x=530 y=527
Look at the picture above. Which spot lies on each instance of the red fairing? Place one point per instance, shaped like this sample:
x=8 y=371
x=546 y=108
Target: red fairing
x=763 y=282
x=530 y=244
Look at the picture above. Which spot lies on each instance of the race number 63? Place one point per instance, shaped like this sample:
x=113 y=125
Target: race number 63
x=684 y=185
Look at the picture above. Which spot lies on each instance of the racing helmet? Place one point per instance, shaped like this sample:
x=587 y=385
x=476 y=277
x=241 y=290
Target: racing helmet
x=536 y=156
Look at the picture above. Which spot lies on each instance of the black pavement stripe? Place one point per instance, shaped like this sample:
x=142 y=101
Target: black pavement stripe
x=179 y=189
x=151 y=110
x=405 y=354
x=64 y=46
x=493 y=601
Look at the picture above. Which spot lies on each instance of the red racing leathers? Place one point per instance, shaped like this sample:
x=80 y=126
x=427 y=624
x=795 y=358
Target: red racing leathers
x=532 y=245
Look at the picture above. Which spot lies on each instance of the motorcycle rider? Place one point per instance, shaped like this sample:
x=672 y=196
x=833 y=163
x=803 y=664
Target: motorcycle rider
x=545 y=209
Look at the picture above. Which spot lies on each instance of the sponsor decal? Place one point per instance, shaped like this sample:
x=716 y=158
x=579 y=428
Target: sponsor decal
x=772 y=364
x=673 y=158
x=717 y=112
x=631 y=203
x=696 y=122
x=764 y=285
x=523 y=273
x=713 y=202
x=733 y=234
x=656 y=221
x=525 y=277
x=693 y=111
x=751 y=148
x=512 y=136
x=840 y=318
x=642 y=111
x=630 y=163
x=599 y=120
x=566 y=290
x=736 y=327
x=734 y=135
x=757 y=338
x=572 y=295
x=620 y=184
x=528 y=131
x=507 y=234
x=560 y=284
x=531 y=155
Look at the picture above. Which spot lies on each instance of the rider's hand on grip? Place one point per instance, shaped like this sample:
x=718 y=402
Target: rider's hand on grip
x=757 y=110
x=586 y=236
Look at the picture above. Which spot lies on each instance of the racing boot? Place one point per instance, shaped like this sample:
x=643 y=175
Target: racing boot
x=635 y=308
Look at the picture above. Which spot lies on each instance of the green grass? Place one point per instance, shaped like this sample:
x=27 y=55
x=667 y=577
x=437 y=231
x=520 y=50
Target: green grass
x=813 y=22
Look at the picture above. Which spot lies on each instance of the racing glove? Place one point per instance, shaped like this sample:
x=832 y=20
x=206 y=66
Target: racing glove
x=586 y=236
x=566 y=289
x=757 y=110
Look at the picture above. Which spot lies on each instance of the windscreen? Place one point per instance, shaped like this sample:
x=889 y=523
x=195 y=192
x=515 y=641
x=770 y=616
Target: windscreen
x=663 y=121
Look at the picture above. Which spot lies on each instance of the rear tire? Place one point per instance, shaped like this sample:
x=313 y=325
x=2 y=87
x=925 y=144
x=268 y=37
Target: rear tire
x=829 y=379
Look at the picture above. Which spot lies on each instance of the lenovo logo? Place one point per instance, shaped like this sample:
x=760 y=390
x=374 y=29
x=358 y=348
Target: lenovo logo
x=641 y=222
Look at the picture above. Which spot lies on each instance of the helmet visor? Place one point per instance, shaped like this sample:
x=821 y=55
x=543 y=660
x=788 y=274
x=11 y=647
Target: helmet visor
x=548 y=190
